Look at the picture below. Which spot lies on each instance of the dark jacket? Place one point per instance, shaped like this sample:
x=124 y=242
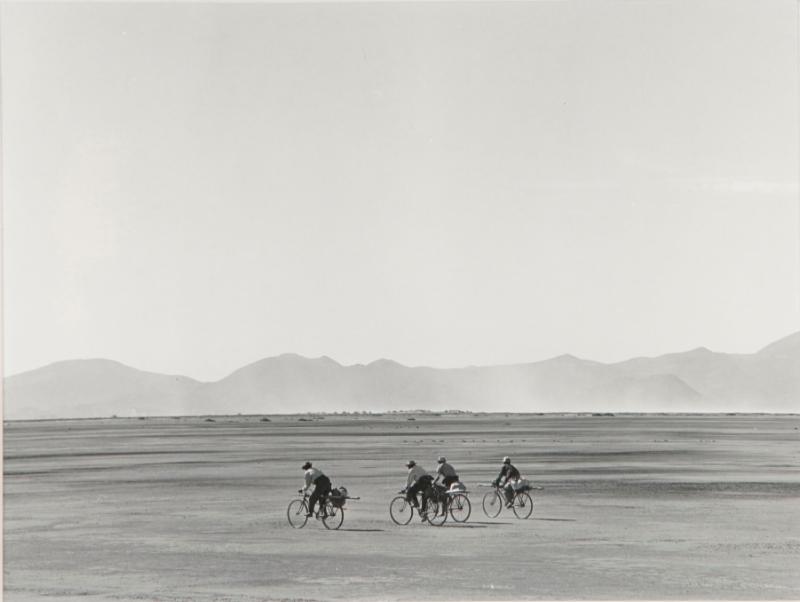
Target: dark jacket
x=507 y=473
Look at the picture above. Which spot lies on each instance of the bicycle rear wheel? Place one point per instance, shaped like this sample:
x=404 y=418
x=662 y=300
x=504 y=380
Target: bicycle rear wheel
x=523 y=505
x=460 y=508
x=335 y=517
x=492 y=504
x=437 y=513
x=296 y=513
x=401 y=510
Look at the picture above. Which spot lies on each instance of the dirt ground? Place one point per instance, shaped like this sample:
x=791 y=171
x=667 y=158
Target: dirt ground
x=632 y=507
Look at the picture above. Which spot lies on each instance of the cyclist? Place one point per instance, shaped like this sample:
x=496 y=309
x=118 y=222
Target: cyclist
x=322 y=487
x=418 y=481
x=446 y=472
x=510 y=476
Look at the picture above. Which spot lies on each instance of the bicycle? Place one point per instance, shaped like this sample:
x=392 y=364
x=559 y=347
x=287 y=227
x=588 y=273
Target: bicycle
x=495 y=500
x=459 y=506
x=401 y=511
x=331 y=512
x=455 y=501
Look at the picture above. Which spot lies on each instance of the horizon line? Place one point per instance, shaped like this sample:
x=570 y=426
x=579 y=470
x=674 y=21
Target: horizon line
x=432 y=413
x=326 y=357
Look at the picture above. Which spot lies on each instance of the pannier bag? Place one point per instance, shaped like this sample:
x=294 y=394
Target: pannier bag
x=458 y=486
x=338 y=496
x=522 y=485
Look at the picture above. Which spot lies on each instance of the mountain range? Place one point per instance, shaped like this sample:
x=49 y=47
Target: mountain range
x=699 y=380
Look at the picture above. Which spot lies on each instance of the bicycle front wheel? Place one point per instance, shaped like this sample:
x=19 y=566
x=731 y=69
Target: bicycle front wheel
x=401 y=510
x=296 y=513
x=492 y=504
x=335 y=517
x=523 y=505
x=460 y=508
x=437 y=513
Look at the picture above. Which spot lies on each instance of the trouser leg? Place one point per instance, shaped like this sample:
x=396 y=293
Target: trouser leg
x=322 y=489
x=313 y=500
x=411 y=494
x=426 y=484
x=323 y=502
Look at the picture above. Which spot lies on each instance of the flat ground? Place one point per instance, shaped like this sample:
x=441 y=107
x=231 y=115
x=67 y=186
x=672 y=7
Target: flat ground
x=632 y=507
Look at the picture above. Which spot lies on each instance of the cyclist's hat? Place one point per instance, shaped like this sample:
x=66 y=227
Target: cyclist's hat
x=441 y=460
x=506 y=460
x=307 y=465
x=411 y=463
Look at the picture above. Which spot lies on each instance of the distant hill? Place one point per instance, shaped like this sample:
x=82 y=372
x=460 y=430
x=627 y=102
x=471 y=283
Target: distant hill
x=699 y=380
x=787 y=347
x=96 y=387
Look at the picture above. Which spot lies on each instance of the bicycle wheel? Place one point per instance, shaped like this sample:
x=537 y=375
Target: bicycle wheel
x=460 y=508
x=335 y=517
x=296 y=513
x=492 y=504
x=437 y=513
x=523 y=505
x=401 y=510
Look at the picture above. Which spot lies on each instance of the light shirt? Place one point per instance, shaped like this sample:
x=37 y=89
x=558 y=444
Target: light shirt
x=414 y=473
x=311 y=476
x=446 y=470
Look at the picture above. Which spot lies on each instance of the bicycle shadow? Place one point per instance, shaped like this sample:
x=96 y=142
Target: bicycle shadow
x=561 y=520
x=464 y=526
x=490 y=523
x=363 y=530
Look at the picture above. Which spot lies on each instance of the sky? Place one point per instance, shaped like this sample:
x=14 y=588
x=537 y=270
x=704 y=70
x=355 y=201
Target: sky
x=191 y=187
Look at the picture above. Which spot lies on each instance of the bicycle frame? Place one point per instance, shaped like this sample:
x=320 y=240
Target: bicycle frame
x=521 y=501
x=297 y=512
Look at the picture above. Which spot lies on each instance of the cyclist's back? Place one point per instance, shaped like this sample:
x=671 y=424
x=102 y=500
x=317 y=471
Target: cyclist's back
x=418 y=481
x=322 y=487
x=447 y=472
x=509 y=475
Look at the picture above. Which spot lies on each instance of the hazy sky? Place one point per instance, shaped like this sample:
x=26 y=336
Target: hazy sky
x=191 y=187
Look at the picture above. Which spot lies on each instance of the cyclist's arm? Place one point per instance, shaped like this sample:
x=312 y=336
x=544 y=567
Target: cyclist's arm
x=503 y=473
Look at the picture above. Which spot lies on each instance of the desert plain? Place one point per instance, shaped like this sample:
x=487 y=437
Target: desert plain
x=194 y=508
